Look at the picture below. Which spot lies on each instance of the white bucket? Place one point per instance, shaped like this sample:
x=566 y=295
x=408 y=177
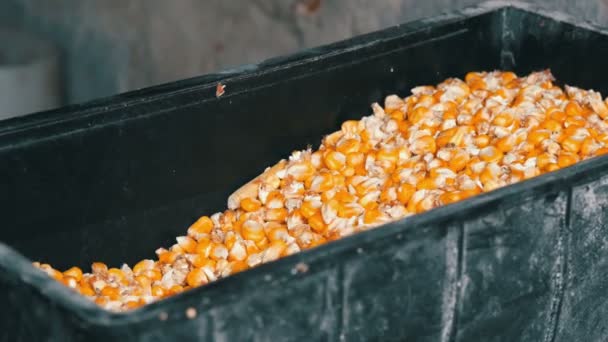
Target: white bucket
x=30 y=80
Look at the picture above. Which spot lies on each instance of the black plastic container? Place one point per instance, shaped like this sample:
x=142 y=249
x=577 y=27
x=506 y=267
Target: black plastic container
x=114 y=179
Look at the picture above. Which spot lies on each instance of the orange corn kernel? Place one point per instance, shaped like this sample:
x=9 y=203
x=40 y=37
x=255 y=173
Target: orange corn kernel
x=99 y=267
x=570 y=144
x=74 y=272
x=143 y=265
x=503 y=119
x=450 y=197
x=482 y=140
x=187 y=243
x=239 y=266
x=203 y=225
x=334 y=160
x=459 y=161
x=166 y=257
x=307 y=209
x=552 y=125
x=277 y=214
x=422 y=145
x=196 y=277
x=253 y=231
x=250 y=204
x=537 y=136
x=490 y=154
x=70 y=281
x=152 y=274
x=158 y=291
x=113 y=293
x=87 y=291
x=348 y=146
x=573 y=108
x=405 y=192
x=566 y=159
x=316 y=223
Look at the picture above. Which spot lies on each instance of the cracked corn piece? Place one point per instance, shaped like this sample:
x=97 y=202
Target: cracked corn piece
x=440 y=145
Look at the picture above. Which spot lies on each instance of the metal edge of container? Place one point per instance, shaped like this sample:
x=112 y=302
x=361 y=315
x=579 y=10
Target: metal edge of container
x=90 y=313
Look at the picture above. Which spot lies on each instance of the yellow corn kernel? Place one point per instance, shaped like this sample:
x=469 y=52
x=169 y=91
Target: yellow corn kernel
x=334 y=160
x=566 y=159
x=418 y=114
x=543 y=160
x=588 y=146
x=348 y=146
x=277 y=214
x=422 y=145
x=426 y=184
x=450 y=197
x=551 y=125
x=116 y=274
x=113 y=293
x=482 y=140
x=490 y=154
x=203 y=225
x=87 y=291
x=101 y=301
x=575 y=121
x=387 y=158
x=196 y=277
x=69 y=281
x=405 y=192
x=74 y=272
x=349 y=210
x=253 y=231
x=537 y=136
x=573 y=108
x=557 y=115
x=152 y=274
x=503 y=119
x=250 y=204
x=132 y=304
x=99 y=267
x=158 y=291
x=176 y=289
x=459 y=161
x=145 y=264
x=238 y=266
x=316 y=223
x=322 y=182
x=301 y=171
x=218 y=252
x=308 y=209
x=167 y=257
x=350 y=126
x=569 y=144
x=187 y=243
x=505 y=144
x=507 y=77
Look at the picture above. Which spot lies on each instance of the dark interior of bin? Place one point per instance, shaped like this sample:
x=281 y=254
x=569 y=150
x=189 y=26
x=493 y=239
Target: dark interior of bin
x=116 y=185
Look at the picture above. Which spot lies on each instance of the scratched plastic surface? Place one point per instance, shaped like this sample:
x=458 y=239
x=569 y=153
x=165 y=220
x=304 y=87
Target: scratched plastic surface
x=114 y=179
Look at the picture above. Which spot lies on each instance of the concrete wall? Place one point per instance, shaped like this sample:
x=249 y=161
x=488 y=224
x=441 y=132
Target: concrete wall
x=112 y=46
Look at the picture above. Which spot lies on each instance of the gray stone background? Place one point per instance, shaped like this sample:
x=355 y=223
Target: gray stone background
x=111 y=46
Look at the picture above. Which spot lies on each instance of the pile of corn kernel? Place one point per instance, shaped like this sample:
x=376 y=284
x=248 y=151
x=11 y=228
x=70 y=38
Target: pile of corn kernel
x=440 y=145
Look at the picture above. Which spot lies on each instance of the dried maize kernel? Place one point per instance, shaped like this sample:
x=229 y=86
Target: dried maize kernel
x=438 y=146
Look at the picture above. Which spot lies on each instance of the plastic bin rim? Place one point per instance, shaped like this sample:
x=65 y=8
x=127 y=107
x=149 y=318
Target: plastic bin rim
x=90 y=313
